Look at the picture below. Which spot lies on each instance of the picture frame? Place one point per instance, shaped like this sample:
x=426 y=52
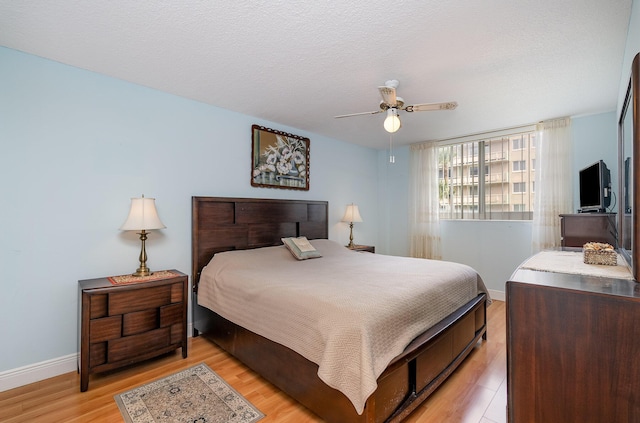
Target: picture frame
x=279 y=159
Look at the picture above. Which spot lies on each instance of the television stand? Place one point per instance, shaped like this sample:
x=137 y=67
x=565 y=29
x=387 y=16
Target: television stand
x=578 y=229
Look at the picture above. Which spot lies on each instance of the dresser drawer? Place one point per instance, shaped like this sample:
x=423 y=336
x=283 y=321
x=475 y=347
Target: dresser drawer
x=131 y=346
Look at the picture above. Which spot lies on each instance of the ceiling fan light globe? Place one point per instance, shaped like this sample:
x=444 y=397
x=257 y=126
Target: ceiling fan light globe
x=392 y=122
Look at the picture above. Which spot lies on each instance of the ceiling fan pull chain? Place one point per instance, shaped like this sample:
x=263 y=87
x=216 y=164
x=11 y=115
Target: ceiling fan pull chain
x=392 y=158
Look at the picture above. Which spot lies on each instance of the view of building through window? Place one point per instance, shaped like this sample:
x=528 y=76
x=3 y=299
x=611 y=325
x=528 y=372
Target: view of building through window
x=488 y=179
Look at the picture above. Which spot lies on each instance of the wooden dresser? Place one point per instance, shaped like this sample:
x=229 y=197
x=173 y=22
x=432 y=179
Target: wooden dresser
x=124 y=324
x=573 y=348
x=580 y=228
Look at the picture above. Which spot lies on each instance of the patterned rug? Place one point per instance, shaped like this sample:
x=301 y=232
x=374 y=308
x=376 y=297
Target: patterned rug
x=195 y=395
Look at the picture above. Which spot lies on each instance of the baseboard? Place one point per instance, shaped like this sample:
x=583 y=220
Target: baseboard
x=497 y=295
x=25 y=375
x=36 y=372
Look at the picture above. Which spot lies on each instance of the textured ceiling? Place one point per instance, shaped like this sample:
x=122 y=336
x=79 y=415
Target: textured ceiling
x=299 y=63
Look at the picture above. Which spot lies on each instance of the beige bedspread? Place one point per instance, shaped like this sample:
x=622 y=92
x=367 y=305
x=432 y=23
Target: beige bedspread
x=349 y=312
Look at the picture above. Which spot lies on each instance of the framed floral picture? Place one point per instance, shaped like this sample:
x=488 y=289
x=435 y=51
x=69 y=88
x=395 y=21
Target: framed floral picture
x=279 y=160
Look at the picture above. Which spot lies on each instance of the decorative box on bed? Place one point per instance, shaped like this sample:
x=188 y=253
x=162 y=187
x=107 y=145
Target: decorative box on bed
x=404 y=380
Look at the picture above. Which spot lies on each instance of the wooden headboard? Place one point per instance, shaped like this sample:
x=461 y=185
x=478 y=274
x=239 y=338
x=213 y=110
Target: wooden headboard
x=222 y=224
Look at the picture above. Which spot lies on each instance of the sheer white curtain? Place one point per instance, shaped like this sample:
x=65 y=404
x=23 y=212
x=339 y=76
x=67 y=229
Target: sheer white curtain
x=554 y=182
x=424 y=224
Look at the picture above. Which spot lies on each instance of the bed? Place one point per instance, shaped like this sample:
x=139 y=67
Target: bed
x=226 y=225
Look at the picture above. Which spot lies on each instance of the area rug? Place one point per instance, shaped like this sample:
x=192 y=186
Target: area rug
x=195 y=395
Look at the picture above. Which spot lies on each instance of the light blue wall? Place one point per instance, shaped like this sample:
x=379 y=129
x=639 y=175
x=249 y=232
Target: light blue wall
x=393 y=199
x=595 y=138
x=76 y=146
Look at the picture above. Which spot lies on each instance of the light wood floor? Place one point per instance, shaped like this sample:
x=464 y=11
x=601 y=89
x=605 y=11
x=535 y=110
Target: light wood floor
x=475 y=393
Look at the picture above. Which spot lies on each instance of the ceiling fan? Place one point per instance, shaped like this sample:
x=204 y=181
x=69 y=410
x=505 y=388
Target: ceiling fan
x=391 y=103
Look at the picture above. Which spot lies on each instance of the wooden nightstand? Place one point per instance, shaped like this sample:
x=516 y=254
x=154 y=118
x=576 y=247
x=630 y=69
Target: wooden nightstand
x=123 y=324
x=367 y=248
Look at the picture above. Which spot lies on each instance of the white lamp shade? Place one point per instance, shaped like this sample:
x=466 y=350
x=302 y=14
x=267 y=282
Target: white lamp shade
x=352 y=214
x=142 y=215
x=392 y=121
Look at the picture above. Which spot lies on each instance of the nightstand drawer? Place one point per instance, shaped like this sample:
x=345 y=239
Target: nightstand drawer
x=97 y=354
x=98 y=305
x=177 y=333
x=176 y=293
x=171 y=314
x=105 y=329
x=129 y=346
x=134 y=300
x=139 y=321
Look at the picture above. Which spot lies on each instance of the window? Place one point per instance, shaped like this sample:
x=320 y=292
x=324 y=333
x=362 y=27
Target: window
x=519 y=143
x=519 y=166
x=487 y=178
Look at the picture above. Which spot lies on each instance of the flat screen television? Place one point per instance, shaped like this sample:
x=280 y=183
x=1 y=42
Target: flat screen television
x=595 y=188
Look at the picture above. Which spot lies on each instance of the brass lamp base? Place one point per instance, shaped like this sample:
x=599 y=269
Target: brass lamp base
x=351 y=244
x=143 y=270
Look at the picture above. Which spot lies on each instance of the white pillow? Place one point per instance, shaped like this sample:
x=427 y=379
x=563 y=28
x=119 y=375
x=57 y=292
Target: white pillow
x=301 y=248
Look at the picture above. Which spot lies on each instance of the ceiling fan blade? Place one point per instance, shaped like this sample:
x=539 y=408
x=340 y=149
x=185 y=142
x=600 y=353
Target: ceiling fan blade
x=426 y=107
x=388 y=95
x=359 y=114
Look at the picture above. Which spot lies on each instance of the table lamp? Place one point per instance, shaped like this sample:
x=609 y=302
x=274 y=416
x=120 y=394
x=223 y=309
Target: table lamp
x=351 y=215
x=142 y=217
